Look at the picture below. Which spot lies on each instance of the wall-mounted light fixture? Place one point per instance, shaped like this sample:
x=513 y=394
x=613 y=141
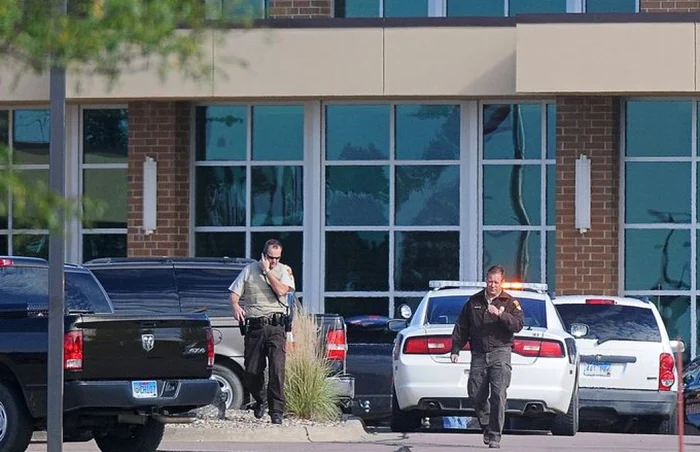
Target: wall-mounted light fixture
x=150 y=195
x=583 y=194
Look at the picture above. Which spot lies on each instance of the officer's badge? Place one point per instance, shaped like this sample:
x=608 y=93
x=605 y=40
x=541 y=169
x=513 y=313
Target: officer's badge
x=516 y=303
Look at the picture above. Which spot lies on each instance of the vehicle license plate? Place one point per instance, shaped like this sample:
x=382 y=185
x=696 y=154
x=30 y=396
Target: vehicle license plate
x=597 y=370
x=144 y=389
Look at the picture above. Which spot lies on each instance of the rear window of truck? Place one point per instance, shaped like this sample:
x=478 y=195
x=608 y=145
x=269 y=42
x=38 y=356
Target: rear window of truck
x=612 y=322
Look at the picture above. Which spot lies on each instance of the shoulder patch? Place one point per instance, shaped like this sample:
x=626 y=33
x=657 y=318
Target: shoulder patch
x=516 y=303
x=289 y=270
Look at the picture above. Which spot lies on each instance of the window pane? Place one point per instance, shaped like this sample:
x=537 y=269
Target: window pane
x=4 y=128
x=25 y=213
x=413 y=302
x=657 y=259
x=221 y=132
x=105 y=136
x=657 y=192
x=512 y=194
x=403 y=8
x=277 y=196
x=427 y=132
x=30 y=139
x=551 y=260
x=357 y=195
x=292 y=251
x=475 y=8
x=220 y=196
x=4 y=203
x=107 y=186
x=3 y=244
x=357 y=132
x=103 y=245
x=30 y=245
x=658 y=128
x=517 y=251
x=539 y=6
x=348 y=307
x=675 y=311
x=611 y=6
x=551 y=195
x=356 y=8
x=551 y=131
x=219 y=244
x=235 y=9
x=278 y=132
x=422 y=256
x=357 y=261
x=427 y=195
x=512 y=131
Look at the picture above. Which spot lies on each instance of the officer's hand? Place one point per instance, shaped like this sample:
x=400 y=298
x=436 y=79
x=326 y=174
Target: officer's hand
x=238 y=313
x=454 y=358
x=494 y=310
x=264 y=263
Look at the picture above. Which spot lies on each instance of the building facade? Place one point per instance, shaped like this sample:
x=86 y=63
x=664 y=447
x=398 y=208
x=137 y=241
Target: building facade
x=388 y=143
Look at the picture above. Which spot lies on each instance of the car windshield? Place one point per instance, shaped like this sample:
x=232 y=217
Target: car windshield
x=612 y=322
x=445 y=309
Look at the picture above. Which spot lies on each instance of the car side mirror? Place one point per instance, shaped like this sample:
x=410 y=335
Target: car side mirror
x=405 y=311
x=578 y=330
x=677 y=346
x=396 y=325
x=218 y=337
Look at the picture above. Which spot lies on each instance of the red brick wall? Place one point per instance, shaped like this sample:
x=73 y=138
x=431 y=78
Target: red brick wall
x=160 y=130
x=299 y=9
x=588 y=263
x=664 y=6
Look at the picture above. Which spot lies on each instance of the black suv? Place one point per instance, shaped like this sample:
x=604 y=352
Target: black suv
x=174 y=285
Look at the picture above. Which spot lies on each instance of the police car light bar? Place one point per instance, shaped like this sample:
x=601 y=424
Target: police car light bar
x=439 y=284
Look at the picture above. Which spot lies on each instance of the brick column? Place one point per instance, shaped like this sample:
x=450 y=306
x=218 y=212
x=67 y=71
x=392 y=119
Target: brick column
x=160 y=129
x=667 y=6
x=299 y=9
x=588 y=263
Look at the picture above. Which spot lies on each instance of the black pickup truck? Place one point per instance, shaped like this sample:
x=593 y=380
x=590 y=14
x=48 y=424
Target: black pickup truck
x=125 y=376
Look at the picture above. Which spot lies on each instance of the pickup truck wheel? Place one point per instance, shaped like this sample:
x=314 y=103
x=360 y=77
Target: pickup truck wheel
x=403 y=421
x=15 y=423
x=229 y=385
x=567 y=424
x=133 y=438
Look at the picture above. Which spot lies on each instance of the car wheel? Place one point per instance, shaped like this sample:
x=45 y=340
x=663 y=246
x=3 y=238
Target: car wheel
x=133 y=438
x=229 y=385
x=567 y=424
x=403 y=421
x=15 y=422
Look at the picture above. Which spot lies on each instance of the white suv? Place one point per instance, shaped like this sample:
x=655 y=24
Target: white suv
x=627 y=370
x=545 y=363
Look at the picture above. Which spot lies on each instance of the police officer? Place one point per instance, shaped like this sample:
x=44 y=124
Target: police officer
x=488 y=321
x=265 y=285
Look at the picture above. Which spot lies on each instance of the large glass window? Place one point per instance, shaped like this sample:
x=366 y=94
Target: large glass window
x=236 y=9
x=660 y=171
x=518 y=182
x=249 y=181
x=392 y=202
x=611 y=6
x=380 y=8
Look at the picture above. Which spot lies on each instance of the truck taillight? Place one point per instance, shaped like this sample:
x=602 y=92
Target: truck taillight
x=666 y=377
x=210 y=348
x=6 y=263
x=73 y=350
x=336 y=345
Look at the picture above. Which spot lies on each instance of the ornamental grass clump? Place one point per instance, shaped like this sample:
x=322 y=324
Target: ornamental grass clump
x=309 y=395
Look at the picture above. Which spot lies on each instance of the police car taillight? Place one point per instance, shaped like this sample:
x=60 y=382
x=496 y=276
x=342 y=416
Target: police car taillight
x=73 y=350
x=599 y=301
x=537 y=348
x=666 y=377
x=210 y=348
x=6 y=263
x=429 y=345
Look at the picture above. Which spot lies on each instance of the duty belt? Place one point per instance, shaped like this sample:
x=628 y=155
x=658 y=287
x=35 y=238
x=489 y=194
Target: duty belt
x=258 y=322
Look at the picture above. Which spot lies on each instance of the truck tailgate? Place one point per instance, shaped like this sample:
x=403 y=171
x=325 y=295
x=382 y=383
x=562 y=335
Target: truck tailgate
x=118 y=347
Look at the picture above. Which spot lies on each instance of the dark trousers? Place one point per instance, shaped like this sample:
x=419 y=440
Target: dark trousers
x=490 y=371
x=265 y=343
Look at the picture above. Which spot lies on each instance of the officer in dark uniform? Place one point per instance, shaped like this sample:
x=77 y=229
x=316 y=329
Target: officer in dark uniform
x=265 y=285
x=488 y=321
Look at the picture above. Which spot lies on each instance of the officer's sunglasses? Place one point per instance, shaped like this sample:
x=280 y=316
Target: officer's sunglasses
x=273 y=258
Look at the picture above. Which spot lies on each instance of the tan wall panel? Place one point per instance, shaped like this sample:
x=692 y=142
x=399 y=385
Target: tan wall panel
x=299 y=62
x=606 y=58
x=473 y=61
x=28 y=88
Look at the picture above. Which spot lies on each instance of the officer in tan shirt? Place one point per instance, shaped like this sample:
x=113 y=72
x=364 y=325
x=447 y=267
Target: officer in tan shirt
x=265 y=285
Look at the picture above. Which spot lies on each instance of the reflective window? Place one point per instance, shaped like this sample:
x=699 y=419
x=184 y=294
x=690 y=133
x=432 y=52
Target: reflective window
x=551 y=131
x=551 y=195
x=131 y=293
x=235 y=9
x=657 y=259
x=356 y=8
x=3 y=244
x=675 y=312
x=31 y=245
x=277 y=196
x=357 y=132
x=512 y=131
x=657 y=192
x=30 y=137
x=220 y=196
x=4 y=199
x=551 y=258
x=421 y=256
x=658 y=128
x=219 y=244
x=221 y=132
x=278 y=132
x=105 y=136
x=108 y=187
x=26 y=212
x=206 y=288
x=512 y=194
x=427 y=132
x=611 y=6
x=347 y=307
x=427 y=195
x=403 y=8
x=517 y=251
x=357 y=261
x=103 y=245
x=292 y=251
x=475 y=8
x=372 y=8
x=612 y=322
x=444 y=310
x=535 y=7
x=357 y=195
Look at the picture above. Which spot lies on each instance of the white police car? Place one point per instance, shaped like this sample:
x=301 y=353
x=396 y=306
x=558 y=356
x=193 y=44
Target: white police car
x=628 y=373
x=543 y=386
